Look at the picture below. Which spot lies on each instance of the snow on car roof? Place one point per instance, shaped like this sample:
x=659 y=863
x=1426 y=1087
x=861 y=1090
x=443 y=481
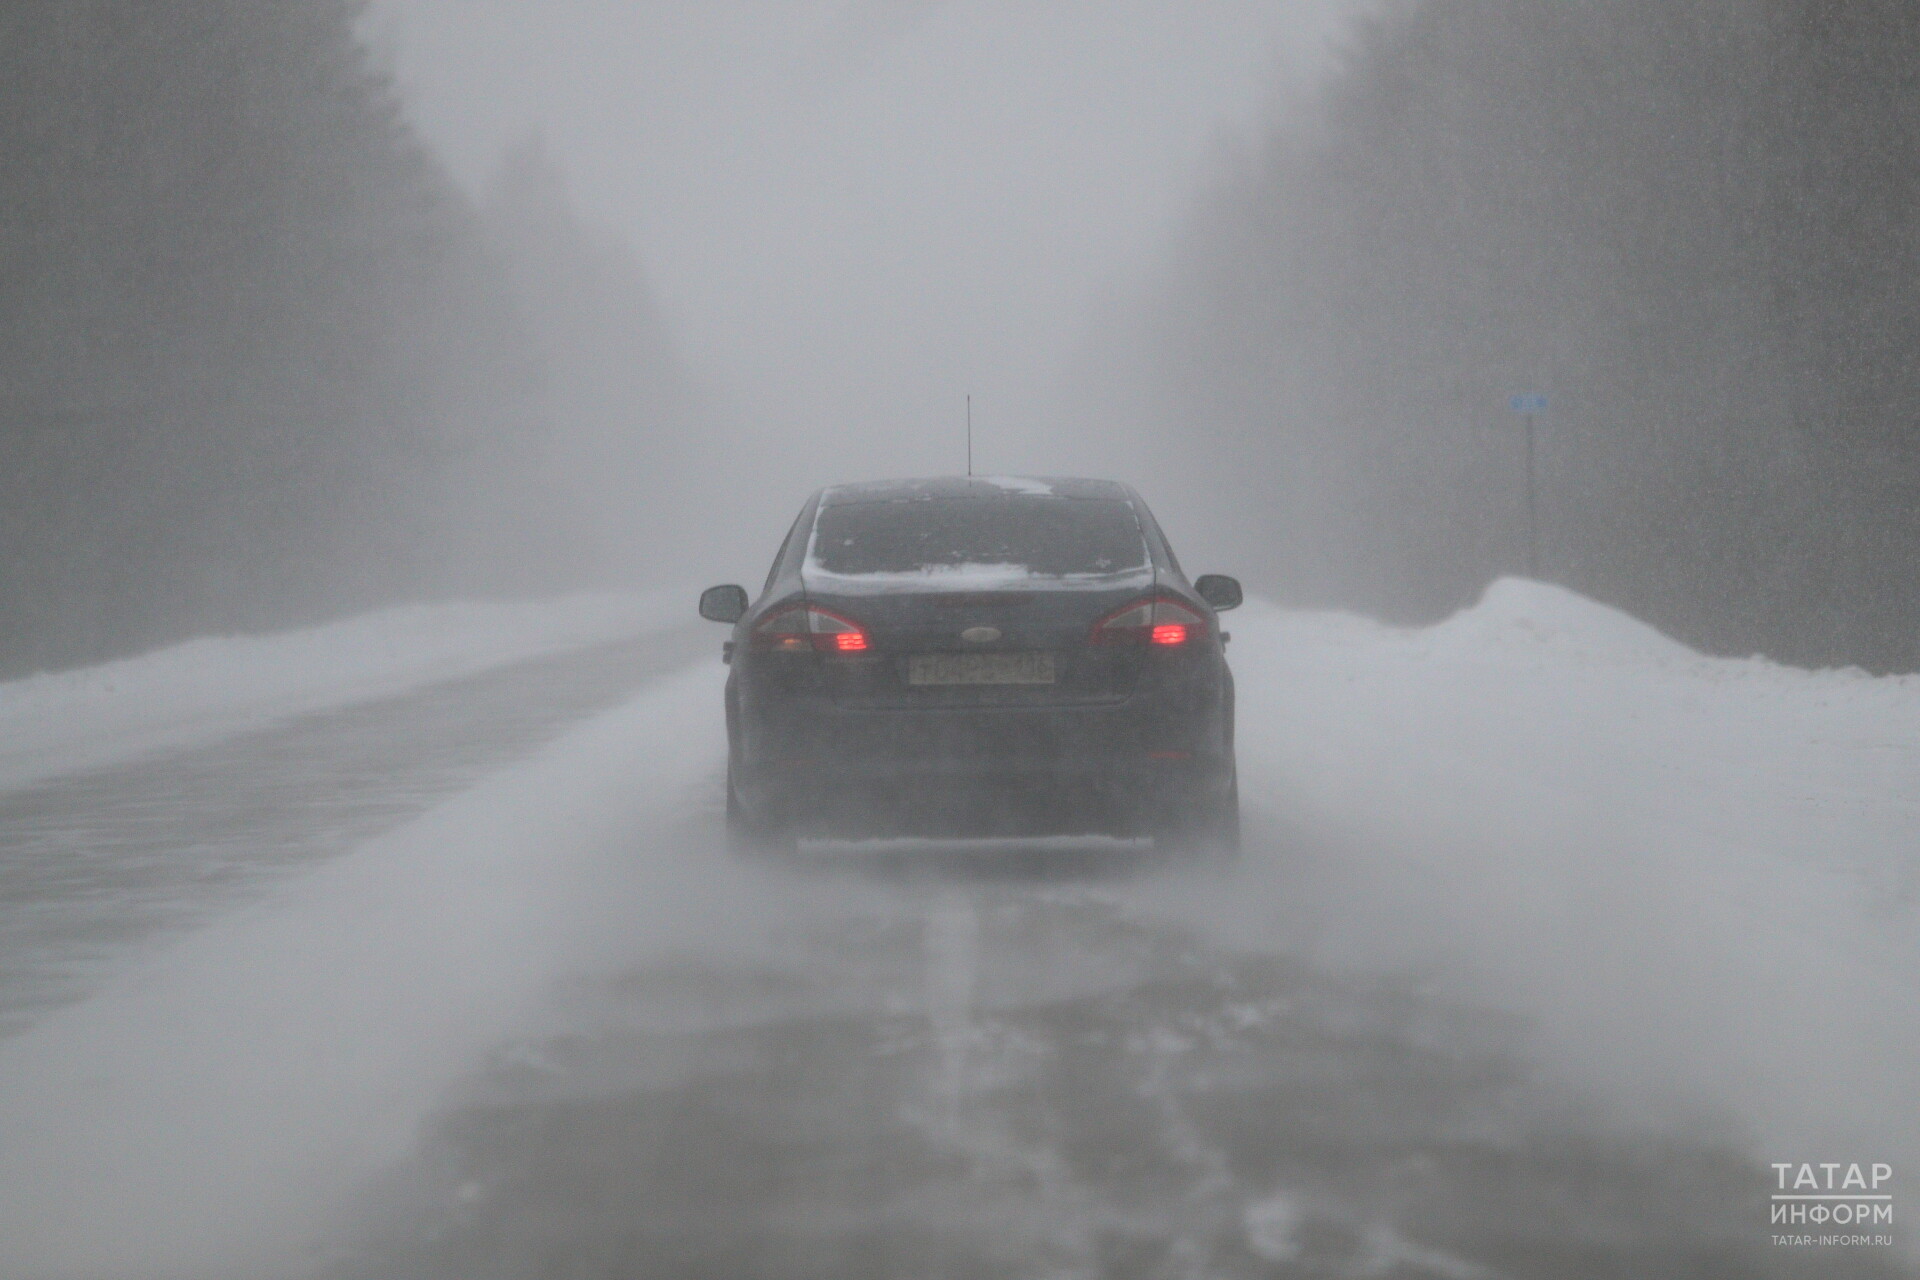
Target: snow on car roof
x=971 y=575
x=979 y=487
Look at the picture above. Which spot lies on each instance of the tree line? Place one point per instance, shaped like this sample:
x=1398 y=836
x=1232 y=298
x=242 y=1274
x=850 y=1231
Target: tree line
x=1690 y=224
x=260 y=361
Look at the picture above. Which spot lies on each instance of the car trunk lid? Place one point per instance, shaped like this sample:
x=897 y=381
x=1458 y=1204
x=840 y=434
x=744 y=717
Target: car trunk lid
x=1018 y=642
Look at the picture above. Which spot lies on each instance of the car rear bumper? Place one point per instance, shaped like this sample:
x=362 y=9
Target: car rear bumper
x=1117 y=769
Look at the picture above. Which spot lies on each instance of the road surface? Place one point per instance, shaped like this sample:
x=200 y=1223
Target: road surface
x=956 y=1061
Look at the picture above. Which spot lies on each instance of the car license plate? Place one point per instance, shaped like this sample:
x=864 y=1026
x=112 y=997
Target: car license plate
x=980 y=668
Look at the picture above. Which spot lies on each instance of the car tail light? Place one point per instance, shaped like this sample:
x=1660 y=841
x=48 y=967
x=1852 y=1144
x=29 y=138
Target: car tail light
x=804 y=628
x=1158 y=621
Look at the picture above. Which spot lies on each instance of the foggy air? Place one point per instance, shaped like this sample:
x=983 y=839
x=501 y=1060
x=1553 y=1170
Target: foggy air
x=876 y=639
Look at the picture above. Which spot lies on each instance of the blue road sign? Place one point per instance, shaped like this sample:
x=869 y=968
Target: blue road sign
x=1532 y=402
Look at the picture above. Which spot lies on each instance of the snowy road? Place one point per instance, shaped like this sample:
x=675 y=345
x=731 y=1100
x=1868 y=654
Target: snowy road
x=1459 y=1013
x=985 y=1074
x=102 y=865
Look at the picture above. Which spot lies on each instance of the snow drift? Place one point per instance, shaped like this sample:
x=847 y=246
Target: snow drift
x=204 y=689
x=1698 y=876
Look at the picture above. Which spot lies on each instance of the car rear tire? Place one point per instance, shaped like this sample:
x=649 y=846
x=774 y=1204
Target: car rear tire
x=754 y=835
x=1205 y=829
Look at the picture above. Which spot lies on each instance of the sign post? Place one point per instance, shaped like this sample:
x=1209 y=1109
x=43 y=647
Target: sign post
x=1528 y=405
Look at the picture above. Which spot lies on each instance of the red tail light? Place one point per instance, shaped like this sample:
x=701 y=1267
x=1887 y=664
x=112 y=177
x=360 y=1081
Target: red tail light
x=801 y=628
x=1157 y=621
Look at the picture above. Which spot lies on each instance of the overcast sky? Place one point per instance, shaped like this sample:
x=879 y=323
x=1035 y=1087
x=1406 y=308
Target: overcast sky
x=858 y=211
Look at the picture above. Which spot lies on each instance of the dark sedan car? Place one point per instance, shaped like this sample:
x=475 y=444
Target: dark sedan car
x=979 y=657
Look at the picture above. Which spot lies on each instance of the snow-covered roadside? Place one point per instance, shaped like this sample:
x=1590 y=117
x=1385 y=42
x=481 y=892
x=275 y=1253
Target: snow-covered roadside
x=205 y=689
x=202 y=1116
x=1700 y=877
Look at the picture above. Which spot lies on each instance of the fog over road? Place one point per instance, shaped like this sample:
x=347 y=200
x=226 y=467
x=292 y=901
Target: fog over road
x=461 y=997
x=381 y=381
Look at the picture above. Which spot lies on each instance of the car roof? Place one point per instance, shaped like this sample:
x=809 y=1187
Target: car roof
x=982 y=488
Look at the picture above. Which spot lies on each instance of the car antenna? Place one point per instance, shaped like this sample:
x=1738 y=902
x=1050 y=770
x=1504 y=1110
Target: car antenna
x=969 y=436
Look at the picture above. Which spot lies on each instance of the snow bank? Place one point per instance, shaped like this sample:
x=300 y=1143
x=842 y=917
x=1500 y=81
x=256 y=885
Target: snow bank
x=205 y=689
x=1700 y=877
x=1516 y=615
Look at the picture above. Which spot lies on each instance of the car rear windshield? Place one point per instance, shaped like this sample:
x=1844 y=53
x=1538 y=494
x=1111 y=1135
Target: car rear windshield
x=1050 y=536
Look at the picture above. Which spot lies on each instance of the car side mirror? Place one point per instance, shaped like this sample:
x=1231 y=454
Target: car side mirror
x=1218 y=590
x=723 y=604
